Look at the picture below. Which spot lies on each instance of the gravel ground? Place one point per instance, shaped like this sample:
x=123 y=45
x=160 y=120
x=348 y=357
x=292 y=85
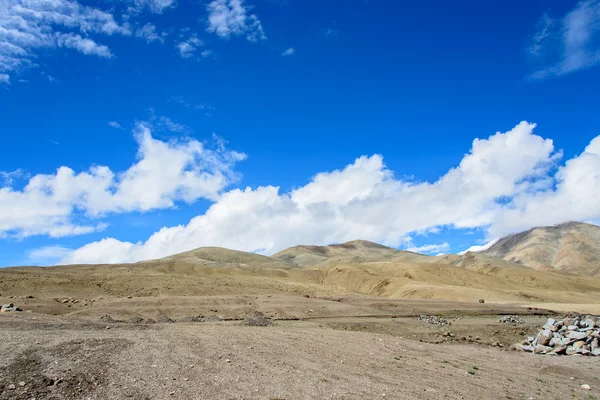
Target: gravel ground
x=50 y=358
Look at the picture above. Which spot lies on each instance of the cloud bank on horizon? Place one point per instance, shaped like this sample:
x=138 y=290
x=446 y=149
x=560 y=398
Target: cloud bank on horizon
x=506 y=183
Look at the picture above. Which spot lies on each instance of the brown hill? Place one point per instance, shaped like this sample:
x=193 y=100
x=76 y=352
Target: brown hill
x=570 y=247
x=356 y=251
x=219 y=256
x=359 y=267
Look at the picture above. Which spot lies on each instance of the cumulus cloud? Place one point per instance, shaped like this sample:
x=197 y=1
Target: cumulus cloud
x=503 y=184
x=4 y=78
x=288 y=52
x=229 y=18
x=164 y=173
x=188 y=47
x=148 y=33
x=569 y=43
x=573 y=196
x=28 y=26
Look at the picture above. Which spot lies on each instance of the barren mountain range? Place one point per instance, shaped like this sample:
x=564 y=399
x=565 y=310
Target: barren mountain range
x=557 y=264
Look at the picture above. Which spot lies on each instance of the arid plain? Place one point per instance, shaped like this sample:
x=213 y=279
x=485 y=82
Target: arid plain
x=343 y=323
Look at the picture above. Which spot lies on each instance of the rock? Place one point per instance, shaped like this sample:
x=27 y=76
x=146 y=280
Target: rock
x=579 y=344
x=572 y=336
x=559 y=350
x=21 y=383
x=585 y=387
x=588 y=323
x=481 y=301
x=511 y=319
x=432 y=319
x=11 y=387
x=540 y=349
x=543 y=338
x=549 y=323
x=576 y=335
x=10 y=307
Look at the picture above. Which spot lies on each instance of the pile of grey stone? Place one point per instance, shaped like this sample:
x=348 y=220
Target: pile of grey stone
x=511 y=319
x=10 y=307
x=432 y=319
x=571 y=336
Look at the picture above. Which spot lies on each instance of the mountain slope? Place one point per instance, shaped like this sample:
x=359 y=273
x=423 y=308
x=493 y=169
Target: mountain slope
x=570 y=247
x=219 y=256
x=356 y=251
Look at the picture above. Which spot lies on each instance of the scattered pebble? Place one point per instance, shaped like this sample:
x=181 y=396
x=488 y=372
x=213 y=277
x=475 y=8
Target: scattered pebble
x=432 y=319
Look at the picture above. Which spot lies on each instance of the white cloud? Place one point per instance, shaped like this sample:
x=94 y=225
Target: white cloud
x=574 y=196
x=230 y=18
x=83 y=45
x=206 y=53
x=170 y=125
x=571 y=43
x=483 y=247
x=148 y=32
x=4 y=78
x=164 y=173
x=115 y=124
x=48 y=255
x=188 y=47
x=430 y=248
x=500 y=175
x=288 y=52
x=27 y=26
x=155 y=6
x=9 y=177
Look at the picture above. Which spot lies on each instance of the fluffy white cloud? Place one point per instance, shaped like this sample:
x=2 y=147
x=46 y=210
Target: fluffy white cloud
x=289 y=52
x=4 y=78
x=83 y=45
x=502 y=174
x=27 y=26
x=570 y=43
x=148 y=33
x=188 y=47
x=229 y=18
x=574 y=196
x=165 y=172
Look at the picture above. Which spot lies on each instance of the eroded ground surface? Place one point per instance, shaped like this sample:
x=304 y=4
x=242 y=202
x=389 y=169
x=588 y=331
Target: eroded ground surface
x=319 y=348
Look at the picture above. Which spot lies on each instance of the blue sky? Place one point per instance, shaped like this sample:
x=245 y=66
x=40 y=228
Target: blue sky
x=136 y=129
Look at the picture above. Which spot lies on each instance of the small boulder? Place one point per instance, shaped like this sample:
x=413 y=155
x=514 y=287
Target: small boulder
x=544 y=337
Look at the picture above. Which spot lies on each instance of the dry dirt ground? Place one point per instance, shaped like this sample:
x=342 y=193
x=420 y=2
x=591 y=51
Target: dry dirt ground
x=345 y=347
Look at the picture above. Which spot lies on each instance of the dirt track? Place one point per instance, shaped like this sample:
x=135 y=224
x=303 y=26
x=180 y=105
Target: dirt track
x=77 y=357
